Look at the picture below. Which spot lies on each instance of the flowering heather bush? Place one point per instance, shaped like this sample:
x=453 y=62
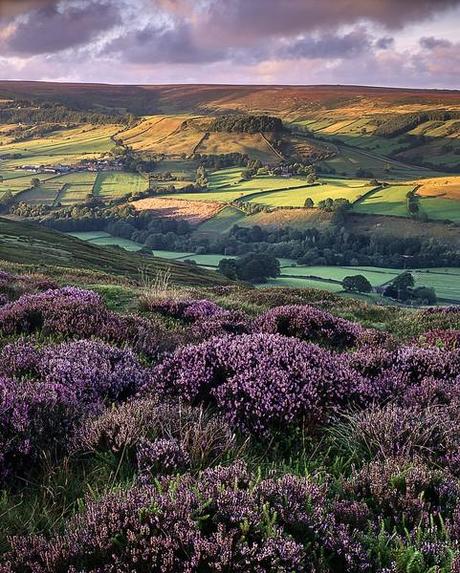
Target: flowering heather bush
x=404 y=493
x=12 y=286
x=310 y=324
x=78 y=313
x=448 y=339
x=260 y=382
x=36 y=420
x=418 y=363
x=93 y=370
x=19 y=360
x=219 y=521
x=162 y=456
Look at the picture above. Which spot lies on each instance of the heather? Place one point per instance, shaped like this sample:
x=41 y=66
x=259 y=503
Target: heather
x=225 y=429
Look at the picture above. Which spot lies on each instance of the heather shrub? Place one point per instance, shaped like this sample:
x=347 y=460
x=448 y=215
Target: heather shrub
x=260 y=382
x=420 y=321
x=204 y=437
x=36 y=420
x=403 y=492
x=163 y=456
x=93 y=370
x=448 y=339
x=222 y=520
x=186 y=309
x=310 y=324
x=76 y=313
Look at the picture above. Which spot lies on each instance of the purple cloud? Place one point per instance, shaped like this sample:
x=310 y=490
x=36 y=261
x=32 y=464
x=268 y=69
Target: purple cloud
x=430 y=43
x=51 y=28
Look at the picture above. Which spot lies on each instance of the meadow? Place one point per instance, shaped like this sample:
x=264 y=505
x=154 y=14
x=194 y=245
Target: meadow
x=390 y=200
x=110 y=185
x=63 y=146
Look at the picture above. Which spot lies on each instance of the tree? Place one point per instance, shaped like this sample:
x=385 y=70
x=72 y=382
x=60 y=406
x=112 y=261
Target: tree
x=309 y=204
x=257 y=267
x=356 y=283
x=1 y=178
x=311 y=179
x=35 y=182
x=246 y=175
x=400 y=287
x=425 y=295
x=228 y=268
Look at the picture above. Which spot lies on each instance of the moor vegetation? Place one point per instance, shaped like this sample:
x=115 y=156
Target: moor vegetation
x=224 y=429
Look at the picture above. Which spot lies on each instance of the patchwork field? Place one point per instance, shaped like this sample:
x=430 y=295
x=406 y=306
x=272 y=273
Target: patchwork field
x=176 y=208
x=109 y=185
x=390 y=200
x=64 y=146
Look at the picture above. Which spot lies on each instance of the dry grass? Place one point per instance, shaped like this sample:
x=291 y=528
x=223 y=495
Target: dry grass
x=446 y=187
x=195 y=212
x=158 y=287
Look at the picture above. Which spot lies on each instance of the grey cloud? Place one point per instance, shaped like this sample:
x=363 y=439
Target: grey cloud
x=329 y=46
x=430 y=43
x=54 y=28
x=385 y=43
x=158 y=45
x=246 y=20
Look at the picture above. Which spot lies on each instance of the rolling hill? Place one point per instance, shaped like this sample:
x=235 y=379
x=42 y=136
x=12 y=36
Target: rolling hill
x=40 y=248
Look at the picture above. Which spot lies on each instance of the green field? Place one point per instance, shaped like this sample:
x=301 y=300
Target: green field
x=334 y=189
x=64 y=146
x=224 y=177
x=116 y=184
x=390 y=200
x=223 y=221
x=438 y=208
x=105 y=240
x=276 y=191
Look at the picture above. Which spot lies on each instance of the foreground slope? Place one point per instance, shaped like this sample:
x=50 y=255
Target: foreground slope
x=32 y=244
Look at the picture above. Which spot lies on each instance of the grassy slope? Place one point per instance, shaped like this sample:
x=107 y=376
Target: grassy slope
x=31 y=244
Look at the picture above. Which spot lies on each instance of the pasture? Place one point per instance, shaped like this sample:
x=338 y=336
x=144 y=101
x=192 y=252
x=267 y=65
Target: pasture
x=109 y=185
x=63 y=146
x=328 y=188
x=390 y=200
x=223 y=221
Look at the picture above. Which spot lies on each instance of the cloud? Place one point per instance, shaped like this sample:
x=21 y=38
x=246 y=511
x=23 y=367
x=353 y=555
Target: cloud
x=53 y=28
x=154 y=44
x=329 y=46
x=430 y=43
x=246 y=21
x=385 y=43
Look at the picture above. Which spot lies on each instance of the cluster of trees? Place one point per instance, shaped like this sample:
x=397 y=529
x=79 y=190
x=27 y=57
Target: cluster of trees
x=31 y=113
x=356 y=283
x=402 y=123
x=253 y=267
x=246 y=124
x=201 y=178
x=403 y=288
x=220 y=161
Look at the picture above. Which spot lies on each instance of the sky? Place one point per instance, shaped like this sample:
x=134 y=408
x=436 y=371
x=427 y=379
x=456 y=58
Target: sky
x=400 y=43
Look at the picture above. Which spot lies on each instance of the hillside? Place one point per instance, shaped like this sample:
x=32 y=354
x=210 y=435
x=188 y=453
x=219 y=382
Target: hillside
x=34 y=245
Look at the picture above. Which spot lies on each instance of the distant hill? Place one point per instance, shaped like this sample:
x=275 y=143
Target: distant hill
x=32 y=244
x=280 y=100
